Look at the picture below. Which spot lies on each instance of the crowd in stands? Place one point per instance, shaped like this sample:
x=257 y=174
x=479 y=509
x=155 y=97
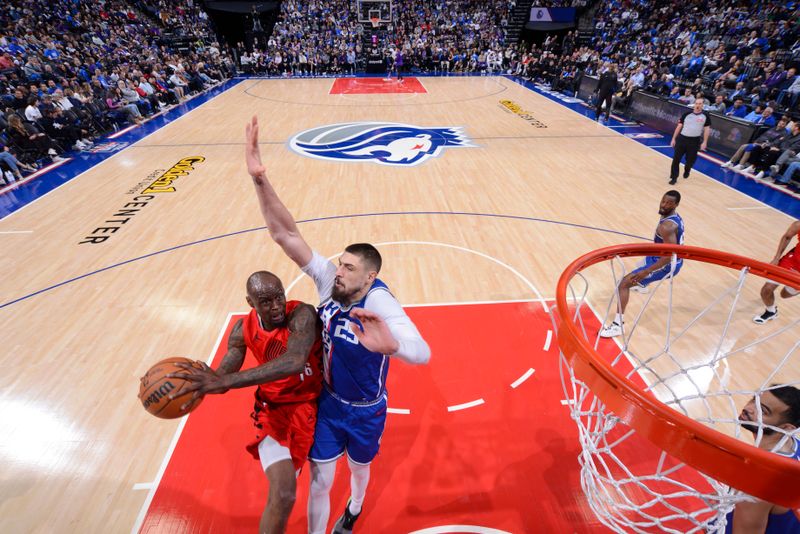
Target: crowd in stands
x=742 y=59
x=73 y=71
x=315 y=38
x=466 y=36
x=311 y=37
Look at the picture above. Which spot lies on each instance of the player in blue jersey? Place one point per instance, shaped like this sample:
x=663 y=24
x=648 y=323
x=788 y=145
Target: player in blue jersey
x=364 y=327
x=669 y=230
x=777 y=414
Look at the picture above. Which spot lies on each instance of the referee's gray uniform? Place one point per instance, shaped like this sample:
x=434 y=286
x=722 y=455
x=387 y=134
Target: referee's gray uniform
x=688 y=142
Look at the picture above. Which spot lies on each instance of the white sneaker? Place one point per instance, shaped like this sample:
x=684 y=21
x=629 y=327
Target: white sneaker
x=612 y=330
x=738 y=168
x=759 y=176
x=87 y=142
x=52 y=152
x=79 y=146
x=749 y=169
x=639 y=288
x=765 y=317
x=57 y=159
x=727 y=165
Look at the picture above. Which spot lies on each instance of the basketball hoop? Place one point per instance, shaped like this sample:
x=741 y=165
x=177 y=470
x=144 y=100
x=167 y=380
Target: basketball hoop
x=375 y=21
x=657 y=413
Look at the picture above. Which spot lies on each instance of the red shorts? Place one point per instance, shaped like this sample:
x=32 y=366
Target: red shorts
x=790 y=261
x=291 y=425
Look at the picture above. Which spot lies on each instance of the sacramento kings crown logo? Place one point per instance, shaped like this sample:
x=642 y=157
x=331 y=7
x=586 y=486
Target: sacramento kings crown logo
x=385 y=143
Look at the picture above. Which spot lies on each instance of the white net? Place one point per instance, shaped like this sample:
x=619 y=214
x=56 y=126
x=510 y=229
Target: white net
x=689 y=343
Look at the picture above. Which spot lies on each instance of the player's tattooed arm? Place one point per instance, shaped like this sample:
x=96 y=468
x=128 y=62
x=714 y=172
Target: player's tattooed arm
x=234 y=358
x=303 y=331
x=206 y=380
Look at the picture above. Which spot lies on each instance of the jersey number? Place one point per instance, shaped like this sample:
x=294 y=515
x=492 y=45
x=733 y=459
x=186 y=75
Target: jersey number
x=343 y=332
x=308 y=371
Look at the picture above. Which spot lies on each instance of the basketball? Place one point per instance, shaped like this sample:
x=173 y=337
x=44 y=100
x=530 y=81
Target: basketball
x=155 y=389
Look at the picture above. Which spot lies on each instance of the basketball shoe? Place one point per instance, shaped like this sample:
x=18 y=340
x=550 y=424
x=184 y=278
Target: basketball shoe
x=612 y=330
x=344 y=525
x=765 y=317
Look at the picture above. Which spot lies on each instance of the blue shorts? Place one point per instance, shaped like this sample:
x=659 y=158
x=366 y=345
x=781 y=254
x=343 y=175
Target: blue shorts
x=660 y=274
x=346 y=427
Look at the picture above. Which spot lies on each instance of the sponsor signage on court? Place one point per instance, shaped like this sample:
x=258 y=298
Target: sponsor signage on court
x=110 y=146
x=557 y=95
x=157 y=183
x=526 y=115
x=644 y=135
x=384 y=143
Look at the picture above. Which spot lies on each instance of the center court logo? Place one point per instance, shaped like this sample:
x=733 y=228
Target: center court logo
x=385 y=143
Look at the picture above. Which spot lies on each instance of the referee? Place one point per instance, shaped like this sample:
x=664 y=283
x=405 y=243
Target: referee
x=686 y=139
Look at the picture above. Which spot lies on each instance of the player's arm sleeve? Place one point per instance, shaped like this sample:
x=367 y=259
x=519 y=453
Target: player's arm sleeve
x=323 y=272
x=411 y=347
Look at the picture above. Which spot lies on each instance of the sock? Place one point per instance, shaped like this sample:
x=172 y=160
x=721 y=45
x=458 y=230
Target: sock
x=618 y=319
x=319 y=503
x=359 y=478
x=772 y=309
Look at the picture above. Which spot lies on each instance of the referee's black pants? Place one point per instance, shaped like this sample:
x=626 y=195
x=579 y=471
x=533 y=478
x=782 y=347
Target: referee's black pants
x=604 y=96
x=684 y=146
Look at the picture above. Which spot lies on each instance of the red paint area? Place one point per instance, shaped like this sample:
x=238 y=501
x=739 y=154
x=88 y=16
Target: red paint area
x=372 y=86
x=508 y=464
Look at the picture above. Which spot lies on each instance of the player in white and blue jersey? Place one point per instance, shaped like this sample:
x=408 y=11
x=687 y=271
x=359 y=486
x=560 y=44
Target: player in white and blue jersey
x=777 y=414
x=364 y=327
x=669 y=230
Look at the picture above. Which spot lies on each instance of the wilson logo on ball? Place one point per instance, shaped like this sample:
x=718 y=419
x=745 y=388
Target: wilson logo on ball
x=159 y=394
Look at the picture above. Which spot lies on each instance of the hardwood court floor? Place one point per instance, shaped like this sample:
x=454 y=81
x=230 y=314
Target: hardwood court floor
x=75 y=440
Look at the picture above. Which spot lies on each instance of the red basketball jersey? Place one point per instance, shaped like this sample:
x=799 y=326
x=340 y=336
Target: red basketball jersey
x=267 y=345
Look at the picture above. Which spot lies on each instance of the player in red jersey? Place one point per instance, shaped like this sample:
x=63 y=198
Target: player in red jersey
x=285 y=338
x=790 y=261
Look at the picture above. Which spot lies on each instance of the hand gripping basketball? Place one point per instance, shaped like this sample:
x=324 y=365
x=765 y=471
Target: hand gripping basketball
x=201 y=379
x=165 y=393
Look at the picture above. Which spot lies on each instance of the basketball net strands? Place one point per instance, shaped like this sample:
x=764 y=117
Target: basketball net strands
x=657 y=412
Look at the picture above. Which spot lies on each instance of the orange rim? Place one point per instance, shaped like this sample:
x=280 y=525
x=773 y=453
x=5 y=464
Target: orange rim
x=755 y=471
